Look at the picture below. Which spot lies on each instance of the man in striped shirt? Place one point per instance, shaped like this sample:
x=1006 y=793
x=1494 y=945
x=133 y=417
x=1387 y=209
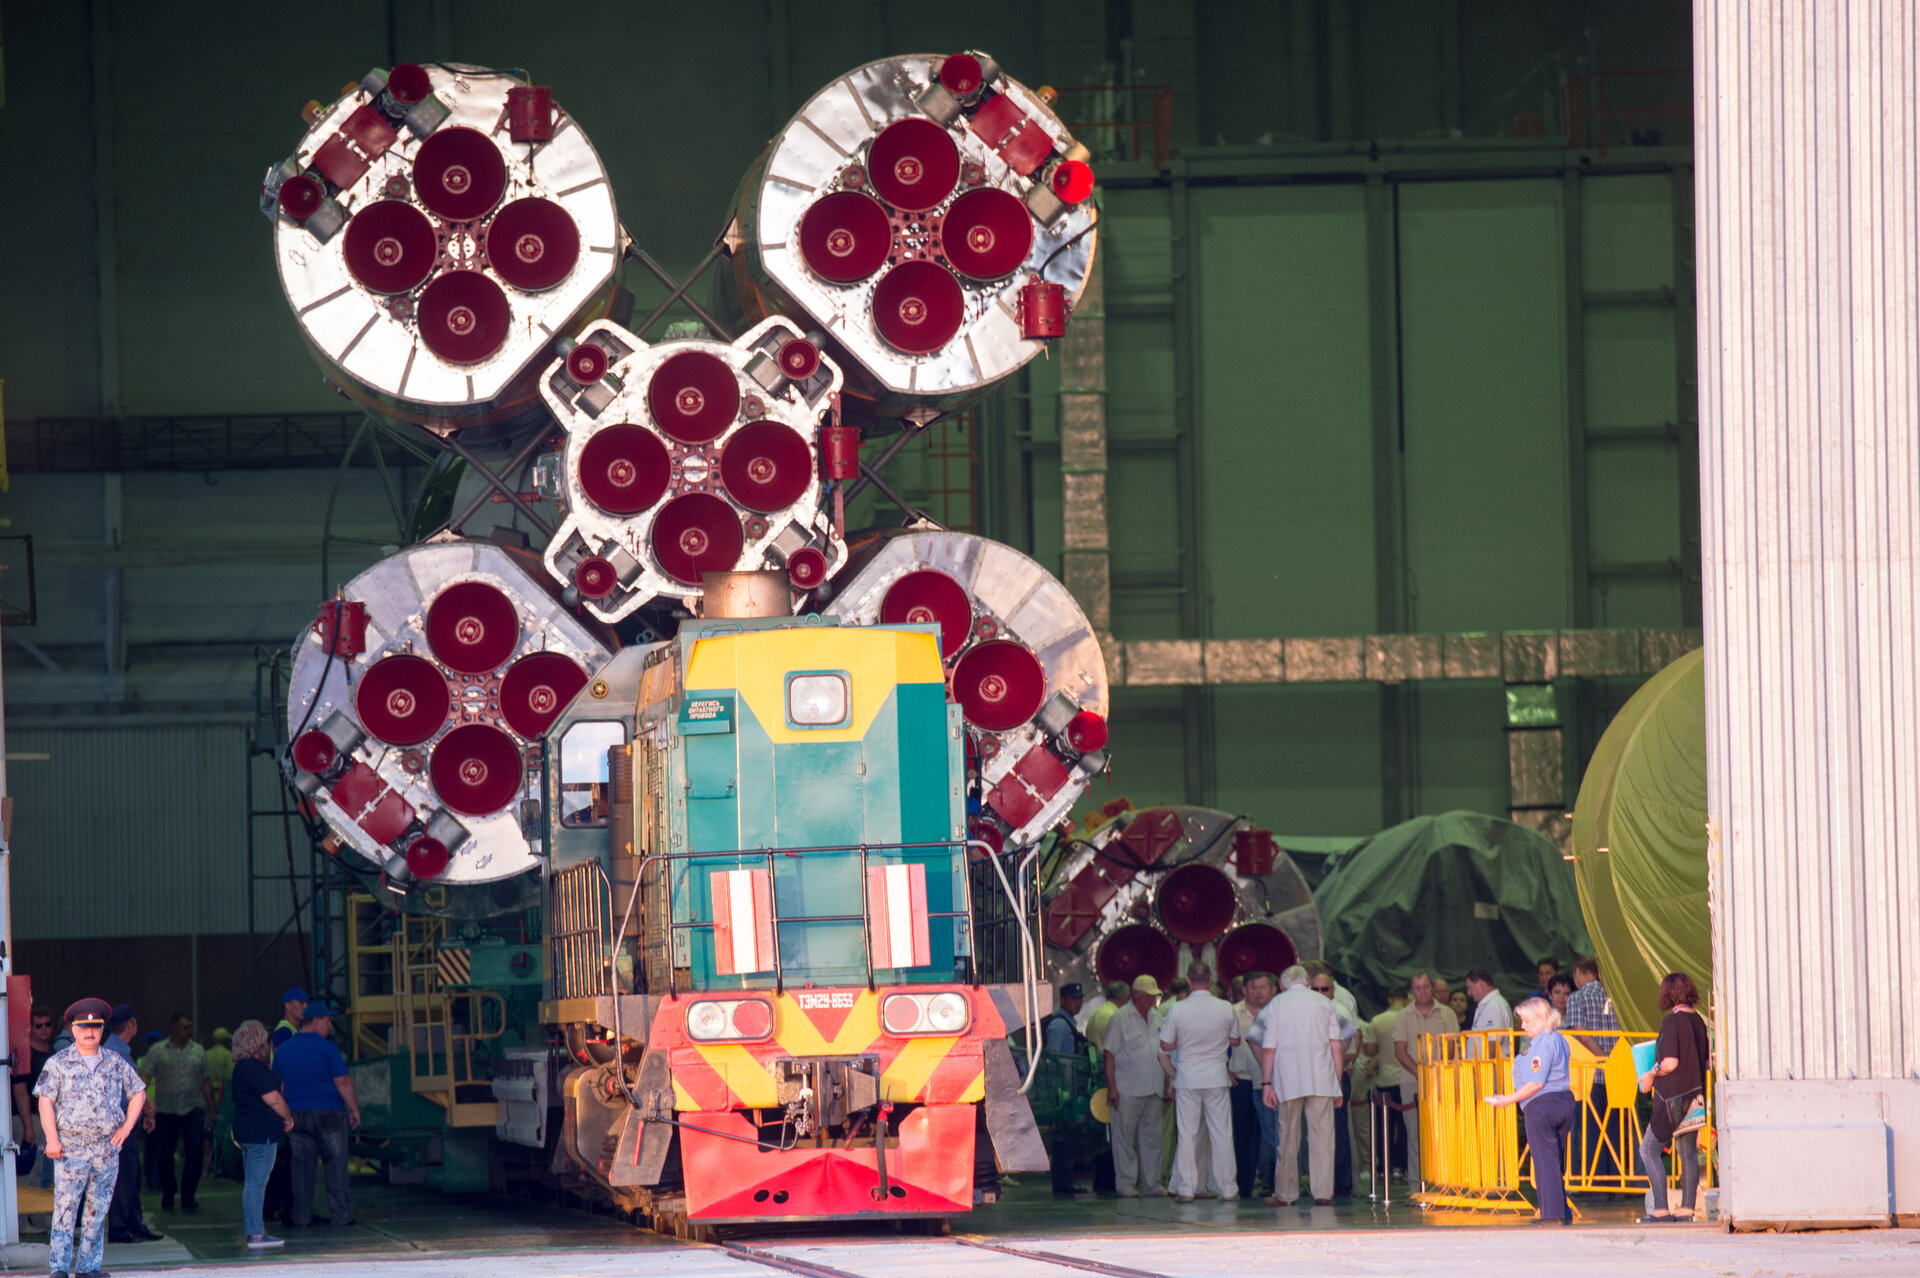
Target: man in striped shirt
x=1589 y=1009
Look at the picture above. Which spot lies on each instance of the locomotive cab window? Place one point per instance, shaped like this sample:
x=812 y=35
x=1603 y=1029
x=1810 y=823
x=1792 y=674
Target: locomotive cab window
x=584 y=776
x=819 y=699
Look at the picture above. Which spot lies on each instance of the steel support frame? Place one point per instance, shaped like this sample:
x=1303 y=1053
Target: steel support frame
x=1383 y=170
x=1196 y=602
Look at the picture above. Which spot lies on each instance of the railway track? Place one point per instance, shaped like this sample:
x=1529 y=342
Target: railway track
x=887 y=1261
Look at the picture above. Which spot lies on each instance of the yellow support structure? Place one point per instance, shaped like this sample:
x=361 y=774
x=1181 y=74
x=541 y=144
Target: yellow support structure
x=1470 y=1152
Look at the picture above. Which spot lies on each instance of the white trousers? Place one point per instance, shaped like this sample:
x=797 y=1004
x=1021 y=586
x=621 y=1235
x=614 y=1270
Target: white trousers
x=1409 y=1089
x=1318 y=1112
x=1197 y=1108
x=1136 y=1144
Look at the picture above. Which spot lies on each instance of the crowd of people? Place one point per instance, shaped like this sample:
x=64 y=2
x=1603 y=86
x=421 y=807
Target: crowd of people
x=95 y=1120
x=1212 y=1091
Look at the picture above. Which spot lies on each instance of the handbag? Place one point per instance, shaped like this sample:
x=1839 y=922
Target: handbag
x=1687 y=1113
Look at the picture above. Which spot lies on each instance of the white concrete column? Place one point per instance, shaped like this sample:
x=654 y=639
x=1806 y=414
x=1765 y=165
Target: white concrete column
x=1809 y=304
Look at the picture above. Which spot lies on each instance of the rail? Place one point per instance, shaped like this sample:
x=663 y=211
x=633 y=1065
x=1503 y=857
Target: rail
x=1470 y=1152
x=1103 y=116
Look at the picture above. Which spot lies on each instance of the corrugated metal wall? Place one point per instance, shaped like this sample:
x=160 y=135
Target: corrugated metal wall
x=1810 y=462
x=129 y=831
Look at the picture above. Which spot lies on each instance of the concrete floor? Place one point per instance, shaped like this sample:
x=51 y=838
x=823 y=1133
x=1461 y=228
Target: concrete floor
x=410 y=1233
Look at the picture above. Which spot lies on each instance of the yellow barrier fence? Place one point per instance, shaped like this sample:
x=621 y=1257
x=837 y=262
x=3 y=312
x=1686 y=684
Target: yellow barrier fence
x=1470 y=1153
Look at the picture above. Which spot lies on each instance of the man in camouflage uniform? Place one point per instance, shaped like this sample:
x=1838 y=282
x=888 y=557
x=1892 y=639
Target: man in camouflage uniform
x=90 y=1101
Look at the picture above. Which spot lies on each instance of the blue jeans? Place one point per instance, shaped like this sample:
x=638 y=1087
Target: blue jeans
x=259 y=1164
x=322 y=1134
x=1686 y=1154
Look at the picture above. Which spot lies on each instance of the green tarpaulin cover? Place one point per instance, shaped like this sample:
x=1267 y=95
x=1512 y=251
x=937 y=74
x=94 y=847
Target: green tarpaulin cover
x=1640 y=843
x=1445 y=894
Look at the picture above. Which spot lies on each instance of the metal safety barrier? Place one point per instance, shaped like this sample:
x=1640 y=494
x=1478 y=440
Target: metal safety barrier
x=1471 y=1156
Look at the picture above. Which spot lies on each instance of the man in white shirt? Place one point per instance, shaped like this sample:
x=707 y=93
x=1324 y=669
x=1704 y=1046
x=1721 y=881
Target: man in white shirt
x=1302 y=1055
x=1135 y=1090
x=1490 y=1008
x=1204 y=1030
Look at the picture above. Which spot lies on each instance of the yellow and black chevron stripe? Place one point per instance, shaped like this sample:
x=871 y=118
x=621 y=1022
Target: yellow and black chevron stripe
x=455 y=967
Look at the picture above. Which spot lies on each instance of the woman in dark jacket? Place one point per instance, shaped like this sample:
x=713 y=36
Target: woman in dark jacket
x=1677 y=1080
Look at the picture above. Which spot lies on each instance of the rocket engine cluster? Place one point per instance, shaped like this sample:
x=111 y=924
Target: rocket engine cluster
x=450 y=247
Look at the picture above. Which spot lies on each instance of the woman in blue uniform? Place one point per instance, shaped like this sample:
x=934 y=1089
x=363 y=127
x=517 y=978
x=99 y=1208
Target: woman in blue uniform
x=1543 y=1088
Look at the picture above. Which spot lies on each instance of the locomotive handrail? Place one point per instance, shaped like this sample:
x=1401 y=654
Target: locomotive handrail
x=1019 y=904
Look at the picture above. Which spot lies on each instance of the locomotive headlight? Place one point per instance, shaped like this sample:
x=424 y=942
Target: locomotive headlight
x=729 y=1020
x=707 y=1021
x=817 y=700
x=947 y=1012
x=944 y=1013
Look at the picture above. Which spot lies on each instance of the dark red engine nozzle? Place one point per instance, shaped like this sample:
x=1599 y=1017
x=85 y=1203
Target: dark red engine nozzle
x=918 y=306
x=986 y=234
x=408 y=84
x=766 y=466
x=1196 y=903
x=1254 y=947
x=799 y=359
x=476 y=769
x=999 y=685
x=845 y=237
x=315 y=752
x=458 y=174
x=696 y=533
x=807 y=567
x=536 y=689
x=532 y=244
x=694 y=397
x=624 y=468
x=402 y=699
x=1087 y=732
x=587 y=363
x=300 y=197
x=464 y=317
x=1138 y=949
x=1073 y=180
x=390 y=247
x=930 y=595
x=961 y=73
x=472 y=627
x=913 y=164
x=427 y=858
x=595 y=577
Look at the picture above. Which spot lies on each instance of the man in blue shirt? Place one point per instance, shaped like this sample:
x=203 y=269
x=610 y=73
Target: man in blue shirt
x=126 y=1222
x=318 y=1090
